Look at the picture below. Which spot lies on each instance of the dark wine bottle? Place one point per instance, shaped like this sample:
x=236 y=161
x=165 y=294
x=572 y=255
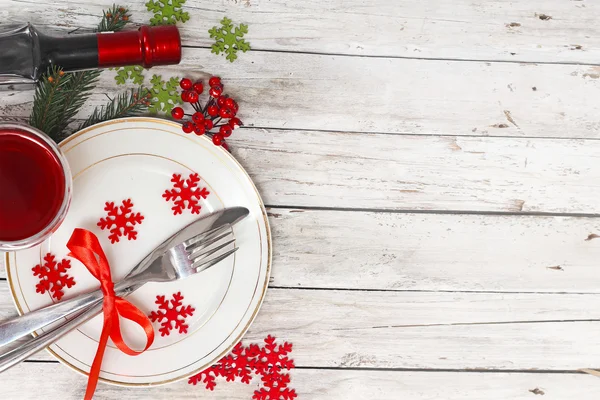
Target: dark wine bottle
x=25 y=53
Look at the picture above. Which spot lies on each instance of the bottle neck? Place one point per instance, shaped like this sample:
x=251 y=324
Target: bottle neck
x=25 y=53
x=71 y=53
x=147 y=46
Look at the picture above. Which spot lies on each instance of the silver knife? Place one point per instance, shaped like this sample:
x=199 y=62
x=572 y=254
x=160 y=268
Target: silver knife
x=18 y=327
x=176 y=262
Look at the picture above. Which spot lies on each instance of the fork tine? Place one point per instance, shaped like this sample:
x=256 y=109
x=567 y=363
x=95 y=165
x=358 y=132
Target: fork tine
x=208 y=253
x=202 y=265
x=206 y=235
x=204 y=244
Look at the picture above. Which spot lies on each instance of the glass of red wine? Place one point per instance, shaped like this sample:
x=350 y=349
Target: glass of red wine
x=35 y=186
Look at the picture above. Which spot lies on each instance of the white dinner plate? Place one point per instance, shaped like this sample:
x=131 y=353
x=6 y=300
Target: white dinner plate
x=135 y=159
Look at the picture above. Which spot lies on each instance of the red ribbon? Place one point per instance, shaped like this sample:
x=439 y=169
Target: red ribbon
x=85 y=247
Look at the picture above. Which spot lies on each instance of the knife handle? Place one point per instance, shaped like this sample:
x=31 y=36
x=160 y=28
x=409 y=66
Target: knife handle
x=18 y=327
x=33 y=345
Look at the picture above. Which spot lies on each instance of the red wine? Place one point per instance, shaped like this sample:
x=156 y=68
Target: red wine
x=32 y=184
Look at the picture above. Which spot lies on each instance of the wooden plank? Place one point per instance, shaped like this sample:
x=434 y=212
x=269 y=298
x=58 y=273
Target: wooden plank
x=536 y=30
x=340 y=93
x=334 y=249
x=352 y=329
x=57 y=382
x=363 y=250
x=351 y=170
x=432 y=330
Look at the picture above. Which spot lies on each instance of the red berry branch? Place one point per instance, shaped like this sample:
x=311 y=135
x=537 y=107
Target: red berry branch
x=217 y=118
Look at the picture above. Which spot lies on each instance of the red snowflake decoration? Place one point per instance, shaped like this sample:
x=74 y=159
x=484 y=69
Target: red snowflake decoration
x=185 y=190
x=120 y=220
x=273 y=358
x=207 y=377
x=267 y=361
x=206 y=119
x=53 y=276
x=275 y=388
x=240 y=363
x=175 y=313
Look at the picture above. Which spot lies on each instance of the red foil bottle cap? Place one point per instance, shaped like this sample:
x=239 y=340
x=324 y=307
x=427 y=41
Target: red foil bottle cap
x=148 y=46
x=162 y=45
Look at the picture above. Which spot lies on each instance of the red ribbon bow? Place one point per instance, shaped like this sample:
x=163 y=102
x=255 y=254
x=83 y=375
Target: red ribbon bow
x=85 y=247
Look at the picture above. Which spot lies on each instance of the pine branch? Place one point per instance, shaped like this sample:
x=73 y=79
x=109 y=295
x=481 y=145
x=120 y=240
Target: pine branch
x=55 y=105
x=77 y=90
x=127 y=104
x=114 y=19
x=50 y=95
x=82 y=83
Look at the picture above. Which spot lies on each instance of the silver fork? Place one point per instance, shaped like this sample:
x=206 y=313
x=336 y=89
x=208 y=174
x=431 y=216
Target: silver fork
x=179 y=261
x=205 y=230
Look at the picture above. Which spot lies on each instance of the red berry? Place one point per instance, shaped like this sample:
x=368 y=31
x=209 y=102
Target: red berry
x=185 y=84
x=192 y=97
x=225 y=146
x=235 y=122
x=177 y=113
x=198 y=87
x=221 y=101
x=184 y=96
x=225 y=113
x=225 y=130
x=187 y=127
x=198 y=117
x=199 y=130
x=213 y=110
x=216 y=91
x=208 y=124
x=230 y=103
x=217 y=139
x=214 y=81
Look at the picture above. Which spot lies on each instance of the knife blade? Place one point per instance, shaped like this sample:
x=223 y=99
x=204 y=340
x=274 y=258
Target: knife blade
x=18 y=327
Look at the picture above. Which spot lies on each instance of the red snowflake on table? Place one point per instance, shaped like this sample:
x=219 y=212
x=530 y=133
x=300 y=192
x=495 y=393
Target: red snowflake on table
x=267 y=361
x=273 y=358
x=175 y=313
x=275 y=388
x=240 y=363
x=120 y=220
x=207 y=377
x=185 y=190
x=53 y=276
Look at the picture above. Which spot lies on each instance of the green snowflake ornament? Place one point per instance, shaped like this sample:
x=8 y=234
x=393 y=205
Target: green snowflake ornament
x=167 y=12
x=229 y=39
x=133 y=73
x=165 y=95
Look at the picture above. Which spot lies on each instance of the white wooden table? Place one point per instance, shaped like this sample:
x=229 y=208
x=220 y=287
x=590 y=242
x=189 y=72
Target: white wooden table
x=432 y=173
